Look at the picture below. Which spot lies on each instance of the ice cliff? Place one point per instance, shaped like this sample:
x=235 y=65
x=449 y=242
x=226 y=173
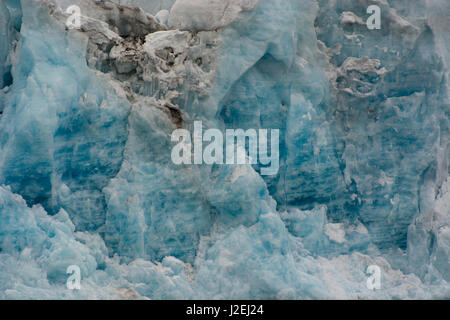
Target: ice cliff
x=86 y=176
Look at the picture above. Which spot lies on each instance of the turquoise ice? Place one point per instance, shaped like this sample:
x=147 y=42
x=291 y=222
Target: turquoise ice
x=86 y=176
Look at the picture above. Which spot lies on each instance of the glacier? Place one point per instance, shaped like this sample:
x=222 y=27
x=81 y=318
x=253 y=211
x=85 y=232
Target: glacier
x=86 y=176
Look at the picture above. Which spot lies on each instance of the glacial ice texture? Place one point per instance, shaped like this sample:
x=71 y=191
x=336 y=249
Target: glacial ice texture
x=86 y=177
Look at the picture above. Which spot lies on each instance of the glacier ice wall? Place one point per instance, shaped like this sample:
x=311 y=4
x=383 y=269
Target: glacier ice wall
x=85 y=170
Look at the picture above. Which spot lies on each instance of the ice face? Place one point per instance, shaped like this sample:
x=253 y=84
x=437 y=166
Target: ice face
x=51 y=159
x=85 y=150
x=10 y=15
x=5 y=42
